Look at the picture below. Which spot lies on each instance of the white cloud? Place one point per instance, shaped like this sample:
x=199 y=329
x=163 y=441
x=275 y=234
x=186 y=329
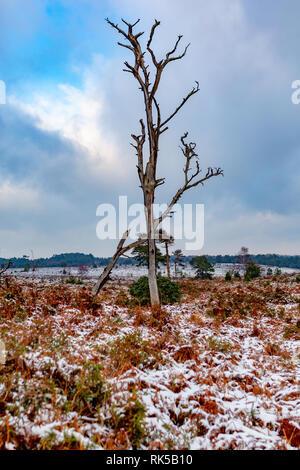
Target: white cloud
x=17 y=196
x=79 y=116
x=234 y=119
x=261 y=230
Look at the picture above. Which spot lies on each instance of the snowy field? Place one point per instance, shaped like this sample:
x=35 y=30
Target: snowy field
x=129 y=272
x=220 y=370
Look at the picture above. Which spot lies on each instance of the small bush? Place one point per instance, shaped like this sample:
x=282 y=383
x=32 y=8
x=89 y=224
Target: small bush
x=169 y=291
x=252 y=271
x=73 y=280
x=237 y=275
x=132 y=421
x=220 y=346
x=297 y=278
x=292 y=331
x=204 y=269
x=228 y=276
x=88 y=391
x=133 y=350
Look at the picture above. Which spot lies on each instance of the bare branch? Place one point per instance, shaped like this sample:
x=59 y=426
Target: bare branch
x=185 y=99
x=175 y=47
x=156 y=24
x=154 y=60
x=115 y=26
x=158 y=114
x=132 y=69
x=190 y=155
x=211 y=172
x=163 y=130
x=160 y=182
x=130 y=26
x=125 y=45
x=140 y=140
x=171 y=59
x=119 y=252
x=135 y=48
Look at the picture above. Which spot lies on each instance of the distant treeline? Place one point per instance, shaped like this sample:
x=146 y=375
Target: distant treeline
x=280 y=261
x=76 y=259
x=63 y=261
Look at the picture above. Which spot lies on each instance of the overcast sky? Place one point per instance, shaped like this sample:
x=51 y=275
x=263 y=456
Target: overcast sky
x=65 y=129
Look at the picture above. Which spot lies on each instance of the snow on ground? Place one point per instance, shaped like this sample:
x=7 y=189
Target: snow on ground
x=198 y=375
x=128 y=272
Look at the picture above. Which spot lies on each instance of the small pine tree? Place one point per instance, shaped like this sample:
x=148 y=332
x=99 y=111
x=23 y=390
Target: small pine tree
x=204 y=268
x=141 y=255
x=178 y=257
x=252 y=271
x=169 y=291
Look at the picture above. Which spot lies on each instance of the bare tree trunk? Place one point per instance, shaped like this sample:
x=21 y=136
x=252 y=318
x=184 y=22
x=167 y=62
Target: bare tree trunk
x=105 y=275
x=168 y=260
x=119 y=252
x=153 y=288
x=152 y=278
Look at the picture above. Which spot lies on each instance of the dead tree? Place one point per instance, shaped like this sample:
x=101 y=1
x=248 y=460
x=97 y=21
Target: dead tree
x=243 y=258
x=155 y=126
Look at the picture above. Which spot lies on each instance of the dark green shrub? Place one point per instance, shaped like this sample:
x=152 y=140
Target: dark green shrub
x=252 y=271
x=228 y=276
x=169 y=291
x=298 y=278
x=141 y=255
x=237 y=275
x=204 y=269
x=73 y=280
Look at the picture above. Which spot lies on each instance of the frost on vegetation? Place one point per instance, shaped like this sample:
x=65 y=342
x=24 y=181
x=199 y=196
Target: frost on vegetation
x=216 y=371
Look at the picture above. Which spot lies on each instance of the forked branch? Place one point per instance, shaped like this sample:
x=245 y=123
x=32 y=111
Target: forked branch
x=190 y=181
x=184 y=100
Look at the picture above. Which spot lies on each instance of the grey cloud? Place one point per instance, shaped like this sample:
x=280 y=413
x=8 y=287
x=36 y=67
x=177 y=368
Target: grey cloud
x=245 y=59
